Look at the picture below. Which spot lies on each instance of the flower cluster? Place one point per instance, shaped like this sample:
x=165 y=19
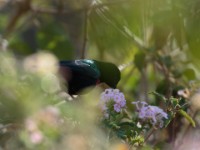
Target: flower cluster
x=113 y=96
x=152 y=114
x=48 y=117
x=35 y=135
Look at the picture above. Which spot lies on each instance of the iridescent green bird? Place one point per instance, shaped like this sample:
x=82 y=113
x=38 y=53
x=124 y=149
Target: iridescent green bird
x=84 y=73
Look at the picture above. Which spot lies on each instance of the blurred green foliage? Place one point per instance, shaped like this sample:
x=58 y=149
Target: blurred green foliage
x=155 y=43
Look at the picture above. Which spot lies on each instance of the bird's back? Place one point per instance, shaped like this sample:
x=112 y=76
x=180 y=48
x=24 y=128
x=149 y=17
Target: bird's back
x=79 y=74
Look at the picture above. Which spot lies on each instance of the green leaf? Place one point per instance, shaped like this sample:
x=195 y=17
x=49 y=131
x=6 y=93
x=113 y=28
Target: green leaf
x=159 y=95
x=174 y=101
x=114 y=125
x=170 y=117
x=190 y=74
x=184 y=114
x=131 y=124
x=167 y=61
x=122 y=134
x=140 y=60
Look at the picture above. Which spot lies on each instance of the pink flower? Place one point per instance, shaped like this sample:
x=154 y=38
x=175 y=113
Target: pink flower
x=36 y=137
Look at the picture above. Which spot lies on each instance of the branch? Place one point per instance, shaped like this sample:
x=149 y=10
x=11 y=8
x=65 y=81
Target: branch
x=84 y=35
x=86 y=8
x=149 y=134
x=23 y=6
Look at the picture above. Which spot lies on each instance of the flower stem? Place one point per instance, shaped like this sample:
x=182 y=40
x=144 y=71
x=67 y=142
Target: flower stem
x=149 y=134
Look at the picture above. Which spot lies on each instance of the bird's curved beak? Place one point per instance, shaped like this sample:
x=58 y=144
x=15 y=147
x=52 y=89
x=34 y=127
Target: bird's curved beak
x=105 y=86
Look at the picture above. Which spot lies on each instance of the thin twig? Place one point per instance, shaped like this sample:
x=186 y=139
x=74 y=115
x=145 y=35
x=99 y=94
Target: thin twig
x=130 y=147
x=22 y=8
x=60 y=6
x=84 y=34
x=149 y=134
x=173 y=132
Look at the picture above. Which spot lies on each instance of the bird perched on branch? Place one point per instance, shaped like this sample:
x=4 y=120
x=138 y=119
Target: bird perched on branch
x=84 y=73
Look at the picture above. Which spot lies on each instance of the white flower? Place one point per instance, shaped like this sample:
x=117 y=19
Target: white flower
x=184 y=93
x=41 y=63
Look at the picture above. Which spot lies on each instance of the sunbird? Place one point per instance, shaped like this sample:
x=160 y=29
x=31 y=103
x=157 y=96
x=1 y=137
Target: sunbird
x=84 y=73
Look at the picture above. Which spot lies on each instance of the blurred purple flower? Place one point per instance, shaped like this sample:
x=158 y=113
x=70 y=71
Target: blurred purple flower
x=153 y=114
x=112 y=95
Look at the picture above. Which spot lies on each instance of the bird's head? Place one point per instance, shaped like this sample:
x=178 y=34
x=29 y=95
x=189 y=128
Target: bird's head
x=109 y=73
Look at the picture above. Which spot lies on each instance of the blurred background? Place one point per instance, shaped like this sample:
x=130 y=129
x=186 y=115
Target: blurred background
x=155 y=44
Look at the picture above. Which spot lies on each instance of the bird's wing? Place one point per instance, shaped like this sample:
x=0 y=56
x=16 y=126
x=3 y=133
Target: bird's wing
x=83 y=66
x=83 y=74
